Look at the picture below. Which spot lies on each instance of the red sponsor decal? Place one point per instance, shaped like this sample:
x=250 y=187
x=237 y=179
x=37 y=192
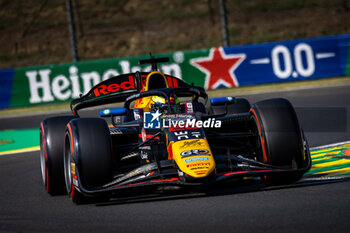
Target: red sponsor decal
x=178 y=128
x=170 y=150
x=201 y=172
x=143 y=81
x=172 y=82
x=219 y=68
x=198 y=164
x=114 y=87
x=175 y=82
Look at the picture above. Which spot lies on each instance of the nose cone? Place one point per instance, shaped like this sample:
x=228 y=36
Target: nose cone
x=193 y=157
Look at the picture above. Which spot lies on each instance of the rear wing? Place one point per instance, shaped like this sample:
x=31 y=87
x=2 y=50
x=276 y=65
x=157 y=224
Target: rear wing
x=119 y=88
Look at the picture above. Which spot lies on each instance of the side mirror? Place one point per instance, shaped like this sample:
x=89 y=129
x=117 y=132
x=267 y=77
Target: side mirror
x=113 y=112
x=222 y=100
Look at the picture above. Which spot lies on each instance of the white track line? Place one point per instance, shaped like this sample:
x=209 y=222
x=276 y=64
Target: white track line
x=330 y=145
x=322 y=178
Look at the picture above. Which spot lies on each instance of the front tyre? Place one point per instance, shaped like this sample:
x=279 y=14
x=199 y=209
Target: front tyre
x=280 y=139
x=87 y=157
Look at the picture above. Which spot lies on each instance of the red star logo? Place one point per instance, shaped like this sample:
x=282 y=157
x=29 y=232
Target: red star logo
x=219 y=68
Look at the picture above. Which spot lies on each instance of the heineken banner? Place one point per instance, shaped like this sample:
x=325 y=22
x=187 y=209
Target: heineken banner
x=213 y=68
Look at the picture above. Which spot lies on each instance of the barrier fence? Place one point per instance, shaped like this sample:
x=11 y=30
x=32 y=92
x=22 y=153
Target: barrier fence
x=222 y=67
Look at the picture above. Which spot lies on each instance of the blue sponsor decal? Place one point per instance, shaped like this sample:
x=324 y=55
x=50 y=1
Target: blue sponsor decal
x=196 y=159
x=6 y=80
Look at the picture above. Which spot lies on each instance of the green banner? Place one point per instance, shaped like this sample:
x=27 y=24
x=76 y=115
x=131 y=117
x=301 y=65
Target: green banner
x=62 y=83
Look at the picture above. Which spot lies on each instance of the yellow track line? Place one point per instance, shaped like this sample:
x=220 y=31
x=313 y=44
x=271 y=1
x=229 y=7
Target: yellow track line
x=337 y=171
x=320 y=159
x=329 y=164
x=323 y=151
x=34 y=148
x=326 y=155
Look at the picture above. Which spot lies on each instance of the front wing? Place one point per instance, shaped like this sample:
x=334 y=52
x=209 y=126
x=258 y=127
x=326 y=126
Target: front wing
x=163 y=173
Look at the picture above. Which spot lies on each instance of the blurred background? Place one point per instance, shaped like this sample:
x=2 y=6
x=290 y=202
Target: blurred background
x=36 y=32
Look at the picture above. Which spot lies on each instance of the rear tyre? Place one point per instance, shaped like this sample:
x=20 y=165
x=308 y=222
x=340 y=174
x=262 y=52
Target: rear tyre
x=51 y=153
x=241 y=106
x=87 y=157
x=280 y=139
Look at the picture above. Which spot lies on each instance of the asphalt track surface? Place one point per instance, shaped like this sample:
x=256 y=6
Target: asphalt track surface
x=309 y=206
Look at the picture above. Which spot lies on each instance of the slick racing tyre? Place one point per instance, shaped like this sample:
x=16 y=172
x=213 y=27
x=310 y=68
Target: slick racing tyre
x=241 y=106
x=51 y=153
x=280 y=139
x=87 y=157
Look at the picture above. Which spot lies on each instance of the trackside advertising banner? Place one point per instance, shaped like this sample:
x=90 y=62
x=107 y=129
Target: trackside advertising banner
x=223 y=67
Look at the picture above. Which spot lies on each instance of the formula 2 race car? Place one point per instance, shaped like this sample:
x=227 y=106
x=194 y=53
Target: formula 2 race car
x=167 y=134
